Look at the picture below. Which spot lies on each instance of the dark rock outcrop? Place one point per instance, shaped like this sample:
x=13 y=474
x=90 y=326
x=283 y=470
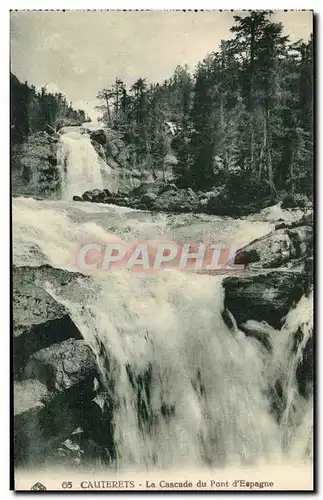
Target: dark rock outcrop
x=266 y=296
x=294 y=201
x=45 y=422
x=179 y=200
x=67 y=122
x=94 y=195
x=99 y=136
x=161 y=196
x=35 y=171
x=63 y=365
x=38 y=319
x=148 y=198
x=277 y=248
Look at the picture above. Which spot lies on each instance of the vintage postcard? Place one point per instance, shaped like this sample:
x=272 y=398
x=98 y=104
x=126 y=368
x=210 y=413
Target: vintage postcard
x=162 y=167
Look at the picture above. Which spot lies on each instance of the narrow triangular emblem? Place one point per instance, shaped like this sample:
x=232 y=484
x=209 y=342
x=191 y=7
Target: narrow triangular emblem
x=38 y=487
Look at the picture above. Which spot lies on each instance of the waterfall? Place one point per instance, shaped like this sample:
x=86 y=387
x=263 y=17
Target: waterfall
x=183 y=388
x=79 y=163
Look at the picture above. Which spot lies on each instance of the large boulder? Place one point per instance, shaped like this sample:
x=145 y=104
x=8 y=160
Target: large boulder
x=295 y=201
x=41 y=422
x=38 y=319
x=266 y=296
x=99 y=136
x=46 y=422
x=63 y=365
x=148 y=198
x=277 y=248
x=306 y=219
x=179 y=200
x=94 y=195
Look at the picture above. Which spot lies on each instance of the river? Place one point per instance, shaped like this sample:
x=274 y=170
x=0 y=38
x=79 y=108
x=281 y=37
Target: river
x=186 y=389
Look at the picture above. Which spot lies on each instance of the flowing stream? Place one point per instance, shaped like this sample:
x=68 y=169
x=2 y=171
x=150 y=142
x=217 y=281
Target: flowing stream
x=185 y=389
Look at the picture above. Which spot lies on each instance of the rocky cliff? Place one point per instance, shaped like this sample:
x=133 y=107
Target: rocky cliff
x=34 y=166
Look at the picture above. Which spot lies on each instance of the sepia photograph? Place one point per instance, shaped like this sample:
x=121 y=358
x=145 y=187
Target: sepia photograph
x=162 y=273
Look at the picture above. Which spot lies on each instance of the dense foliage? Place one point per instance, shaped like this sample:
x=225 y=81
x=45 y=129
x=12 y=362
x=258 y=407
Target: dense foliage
x=243 y=119
x=32 y=110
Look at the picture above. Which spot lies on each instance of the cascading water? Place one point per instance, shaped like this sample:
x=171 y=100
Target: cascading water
x=79 y=163
x=182 y=388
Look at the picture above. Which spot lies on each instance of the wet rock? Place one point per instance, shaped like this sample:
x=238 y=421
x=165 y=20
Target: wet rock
x=99 y=136
x=63 y=365
x=259 y=331
x=38 y=319
x=108 y=193
x=44 y=420
x=94 y=195
x=77 y=198
x=277 y=248
x=265 y=296
x=100 y=150
x=40 y=422
x=87 y=196
x=305 y=220
x=305 y=369
x=51 y=131
x=29 y=394
x=121 y=202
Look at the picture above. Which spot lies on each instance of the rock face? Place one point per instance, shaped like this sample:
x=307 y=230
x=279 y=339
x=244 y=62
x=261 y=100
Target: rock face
x=34 y=166
x=38 y=320
x=278 y=274
x=266 y=296
x=56 y=378
x=45 y=423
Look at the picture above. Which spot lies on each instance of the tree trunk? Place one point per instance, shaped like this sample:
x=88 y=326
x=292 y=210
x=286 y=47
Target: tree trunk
x=269 y=158
x=291 y=171
x=250 y=99
x=109 y=113
x=262 y=152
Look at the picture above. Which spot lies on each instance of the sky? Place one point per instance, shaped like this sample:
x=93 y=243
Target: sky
x=79 y=52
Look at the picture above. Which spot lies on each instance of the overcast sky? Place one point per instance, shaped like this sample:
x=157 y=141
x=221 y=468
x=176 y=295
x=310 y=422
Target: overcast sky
x=79 y=52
